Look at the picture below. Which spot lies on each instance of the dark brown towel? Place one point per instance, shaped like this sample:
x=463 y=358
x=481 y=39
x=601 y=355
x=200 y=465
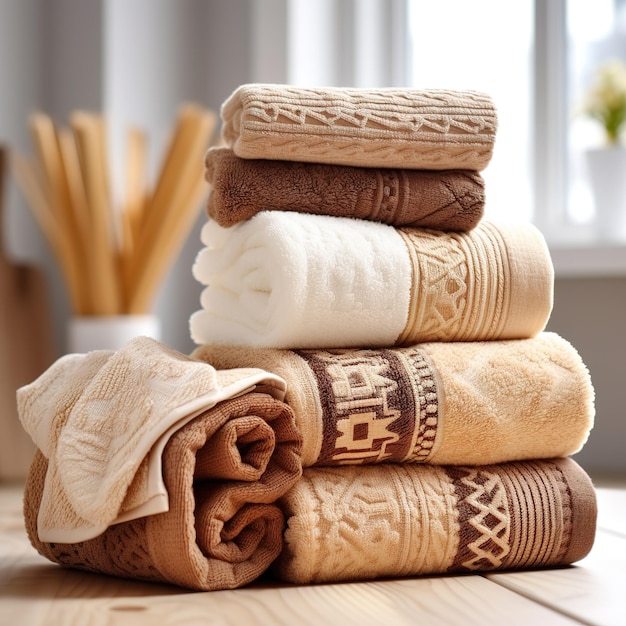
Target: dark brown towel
x=450 y=200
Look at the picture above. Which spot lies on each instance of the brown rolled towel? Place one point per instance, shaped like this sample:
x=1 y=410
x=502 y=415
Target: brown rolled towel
x=359 y=523
x=388 y=127
x=153 y=465
x=442 y=403
x=449 y=200
x=217 y=533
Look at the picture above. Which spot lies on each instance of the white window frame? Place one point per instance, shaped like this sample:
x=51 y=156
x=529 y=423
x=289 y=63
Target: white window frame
x=550 y=119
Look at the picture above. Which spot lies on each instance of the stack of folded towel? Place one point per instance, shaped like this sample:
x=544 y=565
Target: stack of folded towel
x=346 y=251
x=373 y=393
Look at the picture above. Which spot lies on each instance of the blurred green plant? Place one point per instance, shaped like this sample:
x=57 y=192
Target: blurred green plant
x=605 y=100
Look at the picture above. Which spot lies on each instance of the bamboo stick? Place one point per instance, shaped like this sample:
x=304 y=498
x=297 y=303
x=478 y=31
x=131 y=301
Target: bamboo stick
x=80 y=219
x=167 y=180
x=136 y=164
x=169 y=222
x=104 y=279
x=31 y=186
x=48 y=151
x=114 y=258
x=132 y=214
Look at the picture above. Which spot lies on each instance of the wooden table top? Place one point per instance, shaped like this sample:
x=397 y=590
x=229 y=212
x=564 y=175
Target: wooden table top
x=34 y=591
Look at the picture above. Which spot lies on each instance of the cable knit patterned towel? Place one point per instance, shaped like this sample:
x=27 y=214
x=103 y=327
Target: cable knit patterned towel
x=290 y=280
x=153 y=465
x=443 y=200
x=458 y=403
x=389 y=127
x=358 y=523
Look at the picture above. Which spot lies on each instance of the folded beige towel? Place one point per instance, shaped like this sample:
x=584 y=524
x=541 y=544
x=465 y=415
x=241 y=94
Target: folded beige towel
x=356 y=523
x=389 y=127
x=223 y=472
x=103 y=419
x=457 y=403
x=293 y=280
x=442 y=200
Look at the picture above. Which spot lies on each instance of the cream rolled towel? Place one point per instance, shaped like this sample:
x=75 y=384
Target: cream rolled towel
x=290 y=280
x=454 y=403
x=103 y=419
x=388 y=127
x=360 y=523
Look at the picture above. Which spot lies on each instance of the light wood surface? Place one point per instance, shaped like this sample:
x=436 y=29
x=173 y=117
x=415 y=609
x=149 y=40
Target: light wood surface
x=34 y=591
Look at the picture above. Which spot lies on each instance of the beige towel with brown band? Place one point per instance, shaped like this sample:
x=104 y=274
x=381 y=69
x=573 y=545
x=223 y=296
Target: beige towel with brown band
x=294 y=280
x=457 y=403
x=360 y=523
x=147 y=452
x=388 y=127
x=450 y=200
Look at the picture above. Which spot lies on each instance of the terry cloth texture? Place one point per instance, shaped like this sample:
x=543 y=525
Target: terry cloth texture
x=291 y=280
x=457 y=403
x=389 y=127
x=442 y=200
x=147 y=431
x=359 y=523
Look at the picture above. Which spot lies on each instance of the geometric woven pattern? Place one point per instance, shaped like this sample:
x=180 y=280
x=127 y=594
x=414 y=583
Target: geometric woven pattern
x=372 y=409
x=427 y=129
x=484 y=519
x=462 y=289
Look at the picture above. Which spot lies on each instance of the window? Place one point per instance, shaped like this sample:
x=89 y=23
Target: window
x=455 y=44
x=534 y=57
x=596 y=34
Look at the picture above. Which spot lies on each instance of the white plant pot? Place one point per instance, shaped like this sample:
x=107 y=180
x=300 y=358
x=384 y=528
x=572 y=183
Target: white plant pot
x=607 y=172
x=109 y=332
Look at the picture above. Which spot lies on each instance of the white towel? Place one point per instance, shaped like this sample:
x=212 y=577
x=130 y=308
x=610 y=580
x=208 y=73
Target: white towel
x=284 y=282
x=291 y=280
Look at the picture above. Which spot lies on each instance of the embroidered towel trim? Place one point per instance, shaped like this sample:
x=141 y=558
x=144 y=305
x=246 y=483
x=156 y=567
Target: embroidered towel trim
x=102 y=420
x=454 y=403
x=388 y=127
x=450 y=200
x=360 y=523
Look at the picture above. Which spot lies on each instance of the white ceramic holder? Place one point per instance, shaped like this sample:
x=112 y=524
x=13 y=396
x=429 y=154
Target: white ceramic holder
x=109 y=332
x=607 y=171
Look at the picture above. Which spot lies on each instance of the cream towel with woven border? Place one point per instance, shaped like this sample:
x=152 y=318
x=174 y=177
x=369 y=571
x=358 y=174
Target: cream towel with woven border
x=440 y=403
x=103 y=419
x=290 y=280
x=389 y=127
x=360 y=523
